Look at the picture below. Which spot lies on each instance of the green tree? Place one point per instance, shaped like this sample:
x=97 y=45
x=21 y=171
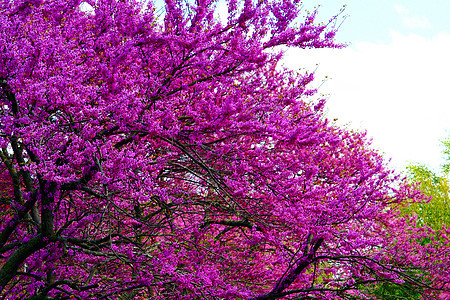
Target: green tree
x=436 y=211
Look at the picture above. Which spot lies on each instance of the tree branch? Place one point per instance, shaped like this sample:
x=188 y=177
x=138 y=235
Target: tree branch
x=301 y=264
x=11 y=266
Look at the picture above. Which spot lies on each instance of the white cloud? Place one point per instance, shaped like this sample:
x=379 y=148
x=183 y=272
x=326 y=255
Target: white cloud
x=412 y=21
x=416 y=22
x=401 y=9
x=397 y=91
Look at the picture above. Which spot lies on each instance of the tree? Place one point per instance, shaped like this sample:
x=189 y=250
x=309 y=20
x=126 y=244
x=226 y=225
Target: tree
x=435 y=212
x=174 y=159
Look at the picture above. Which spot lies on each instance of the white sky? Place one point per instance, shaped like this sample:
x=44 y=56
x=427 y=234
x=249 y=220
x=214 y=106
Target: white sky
x=393 y=79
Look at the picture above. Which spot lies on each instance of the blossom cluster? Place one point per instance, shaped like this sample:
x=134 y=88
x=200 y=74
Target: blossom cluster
x=165 y=155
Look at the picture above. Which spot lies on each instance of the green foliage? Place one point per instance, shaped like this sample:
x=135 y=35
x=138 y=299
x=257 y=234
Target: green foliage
x=446 y=152
x=435 y=212
x=392 y=291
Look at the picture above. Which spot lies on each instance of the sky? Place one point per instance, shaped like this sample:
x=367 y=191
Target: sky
x=392 y=79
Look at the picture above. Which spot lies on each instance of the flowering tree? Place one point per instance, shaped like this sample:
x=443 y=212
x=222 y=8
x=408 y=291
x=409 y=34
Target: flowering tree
x=148 y=156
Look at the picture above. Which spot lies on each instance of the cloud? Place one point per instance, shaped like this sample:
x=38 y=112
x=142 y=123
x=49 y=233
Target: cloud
x=401 y=9
x=397 y=91
x=416 y=22
x=412 y=21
